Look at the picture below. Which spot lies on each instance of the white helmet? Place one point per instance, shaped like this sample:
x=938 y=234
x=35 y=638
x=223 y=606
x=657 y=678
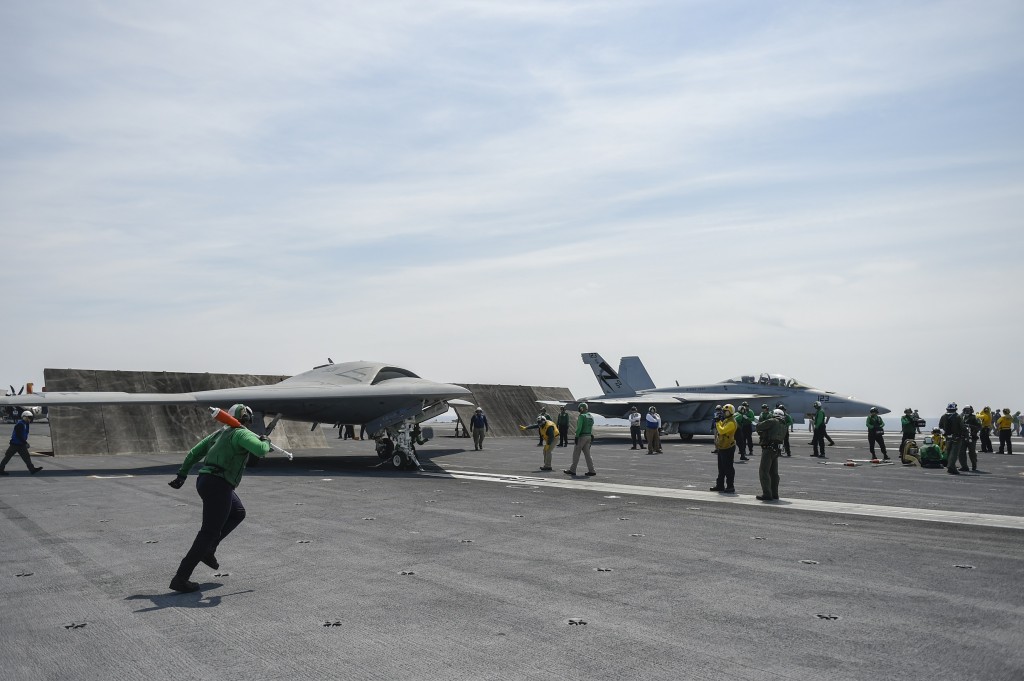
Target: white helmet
x=242 y=413
x=27 y=414
x=779 y=414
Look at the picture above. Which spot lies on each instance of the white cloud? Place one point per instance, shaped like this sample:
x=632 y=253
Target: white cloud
x=484 y=189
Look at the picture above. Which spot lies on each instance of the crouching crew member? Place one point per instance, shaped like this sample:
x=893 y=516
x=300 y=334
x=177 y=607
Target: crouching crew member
x=548 y=432
x=224 y=454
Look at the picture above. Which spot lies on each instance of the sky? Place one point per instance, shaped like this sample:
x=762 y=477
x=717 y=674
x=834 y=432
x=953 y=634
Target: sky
x=481 y=191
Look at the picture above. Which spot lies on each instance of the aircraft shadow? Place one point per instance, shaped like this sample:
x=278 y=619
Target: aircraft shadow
x=301 y=466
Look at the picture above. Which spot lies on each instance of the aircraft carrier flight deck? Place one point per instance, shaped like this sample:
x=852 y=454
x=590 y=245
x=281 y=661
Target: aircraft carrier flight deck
x=483 y=567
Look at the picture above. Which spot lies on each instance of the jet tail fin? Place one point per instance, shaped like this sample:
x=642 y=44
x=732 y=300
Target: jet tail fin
x=633 y=372
x=606 y=377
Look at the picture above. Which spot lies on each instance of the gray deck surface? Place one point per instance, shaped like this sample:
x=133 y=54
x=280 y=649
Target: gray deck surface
x=698 y=587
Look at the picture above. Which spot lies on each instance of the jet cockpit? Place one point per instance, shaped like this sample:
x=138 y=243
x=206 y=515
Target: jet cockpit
x=775 y=380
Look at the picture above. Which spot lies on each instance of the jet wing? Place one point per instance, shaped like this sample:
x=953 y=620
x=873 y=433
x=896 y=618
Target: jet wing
x=673 y=398
x=248 y=394
x=717 y=398
x=636 y=399
x=299 y=401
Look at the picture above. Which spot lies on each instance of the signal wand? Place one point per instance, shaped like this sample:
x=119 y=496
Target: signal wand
x=229 y=420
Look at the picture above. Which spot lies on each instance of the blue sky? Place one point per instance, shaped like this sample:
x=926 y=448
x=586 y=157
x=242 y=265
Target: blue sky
x=480 y=191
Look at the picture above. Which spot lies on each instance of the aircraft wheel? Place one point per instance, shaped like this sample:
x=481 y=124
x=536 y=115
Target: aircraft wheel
x=399 y=460
x=685 y=437
x=385 y=448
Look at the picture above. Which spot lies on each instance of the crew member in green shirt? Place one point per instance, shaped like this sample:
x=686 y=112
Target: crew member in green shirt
x=584 y=438
x=224 y=455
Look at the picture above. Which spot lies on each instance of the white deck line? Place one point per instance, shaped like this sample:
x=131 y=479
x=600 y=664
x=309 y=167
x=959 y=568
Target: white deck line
x=837 y=507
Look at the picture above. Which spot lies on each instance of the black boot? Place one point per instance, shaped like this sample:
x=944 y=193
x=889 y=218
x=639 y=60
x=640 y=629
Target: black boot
x=183 y=585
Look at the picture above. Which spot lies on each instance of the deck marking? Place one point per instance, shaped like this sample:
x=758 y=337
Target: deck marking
x=845 y=508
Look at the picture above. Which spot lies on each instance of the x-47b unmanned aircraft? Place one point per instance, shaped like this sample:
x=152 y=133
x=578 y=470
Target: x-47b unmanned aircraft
x=387 y=398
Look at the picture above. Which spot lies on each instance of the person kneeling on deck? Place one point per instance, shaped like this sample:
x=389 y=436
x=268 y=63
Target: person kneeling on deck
x=910 y=454
x=931 y=454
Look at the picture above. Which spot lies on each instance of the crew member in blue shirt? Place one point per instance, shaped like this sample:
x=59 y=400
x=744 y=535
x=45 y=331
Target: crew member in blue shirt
x=19 y=444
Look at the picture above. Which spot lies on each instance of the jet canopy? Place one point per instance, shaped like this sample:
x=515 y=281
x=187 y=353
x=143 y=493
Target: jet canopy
x=773 y=380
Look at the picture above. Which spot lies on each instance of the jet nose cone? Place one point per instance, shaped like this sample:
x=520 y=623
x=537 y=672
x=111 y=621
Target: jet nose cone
x=851 y=406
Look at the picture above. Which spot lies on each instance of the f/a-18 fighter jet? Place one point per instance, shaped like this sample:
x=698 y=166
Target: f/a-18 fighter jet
x=689 y=410
x=388 y=399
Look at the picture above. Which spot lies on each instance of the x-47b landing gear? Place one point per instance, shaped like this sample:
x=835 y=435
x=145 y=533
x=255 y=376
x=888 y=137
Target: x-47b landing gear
x=396 y=446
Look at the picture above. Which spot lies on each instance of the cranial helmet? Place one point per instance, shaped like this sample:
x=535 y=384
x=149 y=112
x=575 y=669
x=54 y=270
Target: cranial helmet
x=779 y=414
x=951 y=406
x=242 y=413
x=479 y=409
x=908 y=410
x=27 y=414
x=817 y=405
x=873 y=410
x=729 y=410
x=764 y=406
x=541 y=420
x=583 y=407
x=651 y=409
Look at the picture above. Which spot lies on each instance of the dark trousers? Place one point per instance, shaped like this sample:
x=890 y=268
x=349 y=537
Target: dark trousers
x=746 y=439
x=818 y=440
x=986 y=440
x=876 y=437
x=636 y=434
x=23 y=451
x=1004 y=439
x=768 y=471
x=726 y=469
x=824 y=434
x=972 y=453
x=785 y=444
x=222 y=512
x=956 y=450
x=563 y=435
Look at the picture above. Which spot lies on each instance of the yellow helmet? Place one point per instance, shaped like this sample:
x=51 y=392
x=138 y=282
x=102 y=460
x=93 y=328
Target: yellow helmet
x=729 y=410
